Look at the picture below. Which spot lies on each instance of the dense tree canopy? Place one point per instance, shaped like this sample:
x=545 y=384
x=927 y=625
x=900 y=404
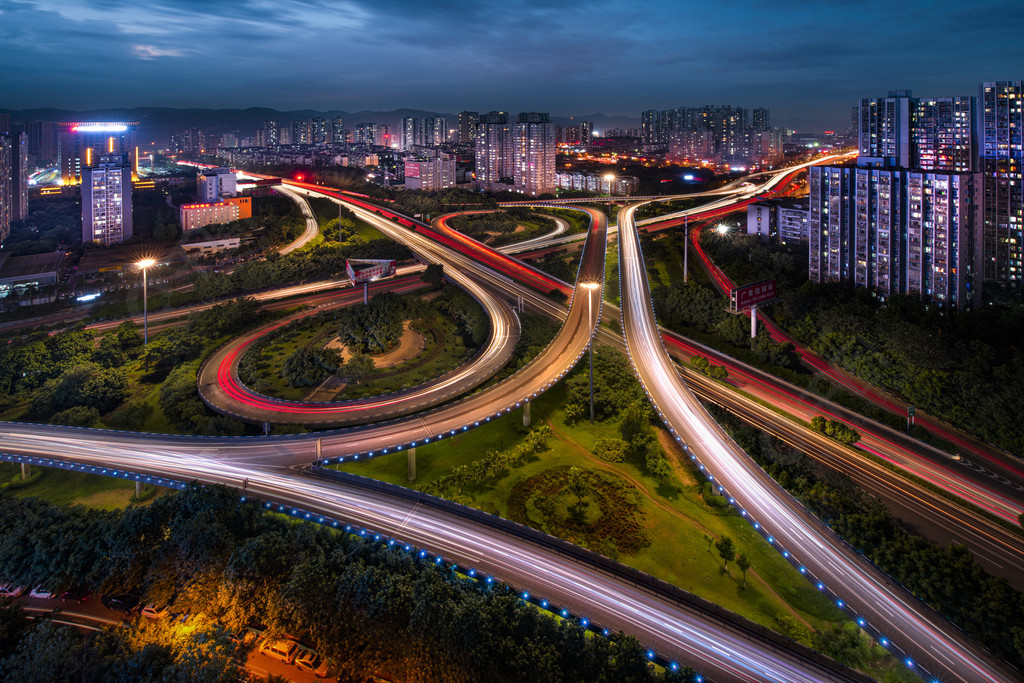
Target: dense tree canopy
x=232 y=567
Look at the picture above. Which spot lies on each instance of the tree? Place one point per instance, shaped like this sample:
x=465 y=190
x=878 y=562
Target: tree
x=744 y=564
x=710 y=541
x=434 y=275
x=359 y=366
x=726 y=550
x=577 y=484
x=79 y=416
x=309 y=367
x=635 y=420
x=171 y=348
x=373 y=327
x=657 y=464
x=610 y=450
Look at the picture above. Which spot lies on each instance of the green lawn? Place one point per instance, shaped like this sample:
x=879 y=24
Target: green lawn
x=64 y=487
x=611 y=274
x=677 y=518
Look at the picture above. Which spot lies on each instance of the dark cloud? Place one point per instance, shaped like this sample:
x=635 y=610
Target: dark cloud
x=809 y=62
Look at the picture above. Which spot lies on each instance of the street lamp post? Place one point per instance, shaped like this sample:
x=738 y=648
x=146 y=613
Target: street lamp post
x=591 y=287
x=609 y=177
x=144 y=265
x=686 y=251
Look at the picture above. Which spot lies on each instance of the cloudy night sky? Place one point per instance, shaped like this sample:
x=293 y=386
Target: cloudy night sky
x=808 y=62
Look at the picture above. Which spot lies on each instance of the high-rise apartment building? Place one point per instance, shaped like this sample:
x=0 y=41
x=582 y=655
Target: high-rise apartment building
x=373 y=134
x=927 y=133
x=654 y=130
x=6 y=176
x=906 y=219
x=895 y=231
x=1001 y=157
x=194 y=141
x=271 y=134
x=107 y=200
x=81 y=145
x=428 y=132
x=586 y=132
x=467 y=126
x=760 y=118
x=494 y=155
x=535 y=148
x=13 y=180
x=430 y=173
x=19 y=176
x=732 y=140
x=42 y=142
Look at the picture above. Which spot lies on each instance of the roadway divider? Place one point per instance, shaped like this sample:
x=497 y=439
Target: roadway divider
x=659 y=588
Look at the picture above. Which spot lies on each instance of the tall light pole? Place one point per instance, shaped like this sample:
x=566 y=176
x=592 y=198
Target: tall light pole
x=686 y=251
x=143 y=265
x=609 y=177
x=591 y=287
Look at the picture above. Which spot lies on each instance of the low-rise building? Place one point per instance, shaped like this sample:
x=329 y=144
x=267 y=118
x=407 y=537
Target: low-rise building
x=229 y=209
x=26 y=280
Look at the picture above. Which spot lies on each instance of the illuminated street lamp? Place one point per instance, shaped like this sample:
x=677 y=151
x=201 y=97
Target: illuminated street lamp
x=591 y=287
x=722 y=229
x=143 y=265
x=609 y=177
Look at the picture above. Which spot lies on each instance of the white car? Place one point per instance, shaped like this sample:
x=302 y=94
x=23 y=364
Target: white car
x=42 y=593
x=11 y=590
x=154 y=611
x=313 y=662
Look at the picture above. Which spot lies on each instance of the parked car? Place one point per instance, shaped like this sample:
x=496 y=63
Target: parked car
x=77 y=594
x=282 y=649
x=124 y=602
x=41 y=593
x=11 y=590
x=313 y=662
x=154 y=611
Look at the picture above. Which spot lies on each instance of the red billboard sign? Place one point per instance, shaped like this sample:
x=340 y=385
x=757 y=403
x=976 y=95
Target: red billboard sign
x=742 y=298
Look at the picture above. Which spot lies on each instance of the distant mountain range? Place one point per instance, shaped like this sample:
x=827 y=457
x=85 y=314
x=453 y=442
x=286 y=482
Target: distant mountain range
x=157 y=123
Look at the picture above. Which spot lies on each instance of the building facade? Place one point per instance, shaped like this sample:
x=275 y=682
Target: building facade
x=896 y=231
x=430 y=174
x=214 y=183
x=535 y=148
x=107 y=200
x=81 y=145
x=194 y=216
x=1001 y=157
x=494 y=156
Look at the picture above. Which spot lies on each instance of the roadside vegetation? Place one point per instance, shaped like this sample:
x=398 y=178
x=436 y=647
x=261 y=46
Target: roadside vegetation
x=620 y=487
x=287 y=363
x=232 y=566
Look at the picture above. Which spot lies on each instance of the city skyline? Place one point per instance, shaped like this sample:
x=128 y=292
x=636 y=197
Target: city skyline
x=448 y=57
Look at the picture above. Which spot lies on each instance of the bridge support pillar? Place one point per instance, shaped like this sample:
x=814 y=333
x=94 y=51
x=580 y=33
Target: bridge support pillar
x=526 y=414
x=753 y=322
x=366 y=292
x=139 y=488
x=26 y=471
x=412 y=463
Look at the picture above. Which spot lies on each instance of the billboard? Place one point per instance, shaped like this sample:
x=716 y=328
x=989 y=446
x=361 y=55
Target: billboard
x=376 y=270
x=742 y=298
